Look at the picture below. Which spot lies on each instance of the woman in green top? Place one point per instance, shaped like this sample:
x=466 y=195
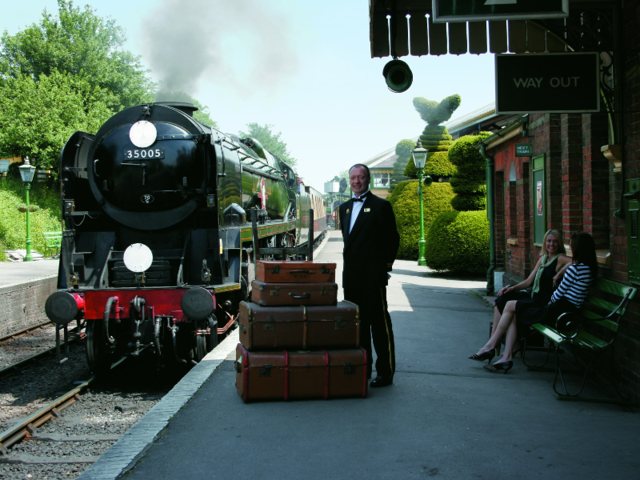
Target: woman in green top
x=512 y=302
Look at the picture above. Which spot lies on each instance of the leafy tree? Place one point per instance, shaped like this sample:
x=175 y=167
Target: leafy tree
x=77 y=42
x=202 y=114
x=272 y=142
x=37 y=118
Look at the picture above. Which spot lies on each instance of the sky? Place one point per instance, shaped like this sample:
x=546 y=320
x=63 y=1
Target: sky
x=304 y=67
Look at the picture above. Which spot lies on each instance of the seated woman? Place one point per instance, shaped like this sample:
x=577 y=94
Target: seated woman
x=512 y=302
x=577 y=280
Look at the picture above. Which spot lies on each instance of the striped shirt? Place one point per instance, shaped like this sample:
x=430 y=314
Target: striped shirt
x=575 y=284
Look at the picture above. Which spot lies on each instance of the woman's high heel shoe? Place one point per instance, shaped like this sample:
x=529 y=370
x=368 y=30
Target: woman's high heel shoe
x=488 y=355
x=499 y=367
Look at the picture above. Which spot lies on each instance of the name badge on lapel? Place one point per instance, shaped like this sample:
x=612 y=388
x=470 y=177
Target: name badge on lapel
x=367 y=210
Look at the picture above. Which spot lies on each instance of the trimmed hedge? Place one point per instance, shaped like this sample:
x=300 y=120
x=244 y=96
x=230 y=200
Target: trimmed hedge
x=458 y=242
x=406 y=206
x=469 y=181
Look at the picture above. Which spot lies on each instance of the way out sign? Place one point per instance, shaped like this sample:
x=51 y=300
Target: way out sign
x=548 y=83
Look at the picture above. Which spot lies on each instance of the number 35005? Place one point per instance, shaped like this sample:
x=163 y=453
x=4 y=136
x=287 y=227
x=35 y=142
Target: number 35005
x=144 y=153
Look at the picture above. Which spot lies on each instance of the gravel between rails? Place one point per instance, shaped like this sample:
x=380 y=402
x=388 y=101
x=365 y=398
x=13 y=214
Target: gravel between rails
x=110 y=407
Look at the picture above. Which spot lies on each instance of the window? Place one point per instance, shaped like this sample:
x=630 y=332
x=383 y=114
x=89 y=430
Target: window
x=381 y=180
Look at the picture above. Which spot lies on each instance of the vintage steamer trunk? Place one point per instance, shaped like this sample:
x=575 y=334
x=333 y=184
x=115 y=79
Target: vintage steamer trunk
x=280 y=294
x=274 y=271
x=297 y=375
x=300 y=327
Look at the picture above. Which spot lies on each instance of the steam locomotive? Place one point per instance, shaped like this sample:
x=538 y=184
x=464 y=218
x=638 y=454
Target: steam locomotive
x=157 y=245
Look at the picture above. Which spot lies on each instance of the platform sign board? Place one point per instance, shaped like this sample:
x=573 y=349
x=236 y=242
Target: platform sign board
x=524 y=150
x=548 y=83
x=474 y=10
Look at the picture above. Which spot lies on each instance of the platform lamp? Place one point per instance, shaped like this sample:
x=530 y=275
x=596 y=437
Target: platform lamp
x=26 y=172
x=420 y=159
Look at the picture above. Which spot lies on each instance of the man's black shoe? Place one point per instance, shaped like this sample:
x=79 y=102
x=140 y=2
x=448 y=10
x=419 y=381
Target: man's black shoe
x=381 y=382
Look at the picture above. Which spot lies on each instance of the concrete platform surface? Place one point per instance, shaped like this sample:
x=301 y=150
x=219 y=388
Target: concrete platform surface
x=444 y=416
x=15 y=273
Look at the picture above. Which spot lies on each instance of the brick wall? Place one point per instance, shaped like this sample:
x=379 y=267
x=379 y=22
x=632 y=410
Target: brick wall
x=22 y=306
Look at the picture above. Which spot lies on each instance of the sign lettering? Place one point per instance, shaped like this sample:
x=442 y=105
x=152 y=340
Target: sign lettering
x=548 y=83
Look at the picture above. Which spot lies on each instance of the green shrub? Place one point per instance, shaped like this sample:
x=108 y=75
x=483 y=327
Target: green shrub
x=406 y=206
x=13 y=226
x=458 y=242
x=470 y=178
x=404 y=150
x=438 y=165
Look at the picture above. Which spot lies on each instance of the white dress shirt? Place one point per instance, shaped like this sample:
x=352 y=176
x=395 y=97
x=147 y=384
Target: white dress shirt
x=355 y=210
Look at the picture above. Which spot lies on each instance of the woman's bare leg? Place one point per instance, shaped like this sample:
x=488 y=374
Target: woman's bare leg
x=508 y=314
x=496 y=319
x=511 y=337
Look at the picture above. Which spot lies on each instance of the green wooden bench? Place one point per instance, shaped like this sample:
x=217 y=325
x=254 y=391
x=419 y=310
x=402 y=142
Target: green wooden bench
x=588 y=333
x=52 y=240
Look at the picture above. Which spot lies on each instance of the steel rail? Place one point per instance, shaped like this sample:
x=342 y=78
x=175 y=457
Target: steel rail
x=11 y=336
x=75 y=336
x=27 y=426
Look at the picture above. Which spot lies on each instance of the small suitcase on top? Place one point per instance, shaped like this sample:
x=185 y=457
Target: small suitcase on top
x=279 y=271
x=300 y=327
x=282 y=294
x=287 y=375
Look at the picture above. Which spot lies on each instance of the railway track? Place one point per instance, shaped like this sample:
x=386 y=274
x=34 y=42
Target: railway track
x=68 y=433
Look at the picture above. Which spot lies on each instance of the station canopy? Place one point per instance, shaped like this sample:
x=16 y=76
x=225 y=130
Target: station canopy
x=587 y=28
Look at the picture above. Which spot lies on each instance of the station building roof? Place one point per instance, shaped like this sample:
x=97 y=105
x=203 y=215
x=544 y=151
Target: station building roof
x=416 y=34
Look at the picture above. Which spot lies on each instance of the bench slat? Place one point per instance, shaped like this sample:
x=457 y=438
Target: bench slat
x=614 y=288
x=549 y=332
x=588 y=341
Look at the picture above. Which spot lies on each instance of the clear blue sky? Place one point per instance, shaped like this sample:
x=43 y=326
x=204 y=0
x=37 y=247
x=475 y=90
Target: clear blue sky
x=304 y=67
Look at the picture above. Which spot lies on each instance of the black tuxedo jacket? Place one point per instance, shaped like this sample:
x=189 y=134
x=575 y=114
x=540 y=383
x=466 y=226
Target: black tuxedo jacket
x=371 y=247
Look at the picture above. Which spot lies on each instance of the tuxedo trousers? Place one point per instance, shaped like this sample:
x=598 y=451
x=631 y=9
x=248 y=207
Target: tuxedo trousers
x=375 y=324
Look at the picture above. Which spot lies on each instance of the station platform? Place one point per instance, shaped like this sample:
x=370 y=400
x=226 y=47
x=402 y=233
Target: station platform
x=444 y=416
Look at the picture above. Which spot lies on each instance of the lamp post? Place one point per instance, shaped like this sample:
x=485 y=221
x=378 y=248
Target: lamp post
x=420 y=159
x=26 y=172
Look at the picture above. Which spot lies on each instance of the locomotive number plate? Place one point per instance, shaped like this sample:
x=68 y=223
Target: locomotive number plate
x=138 y=153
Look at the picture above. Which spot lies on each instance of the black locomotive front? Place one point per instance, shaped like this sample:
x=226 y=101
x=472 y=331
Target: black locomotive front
x=156 y=245
x=143 y=254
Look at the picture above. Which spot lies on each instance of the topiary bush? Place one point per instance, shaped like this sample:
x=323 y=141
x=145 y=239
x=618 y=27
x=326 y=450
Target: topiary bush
x=404 y=150
x=469 y=181
x=458 y=242
x=406 y=206
x=435 y=137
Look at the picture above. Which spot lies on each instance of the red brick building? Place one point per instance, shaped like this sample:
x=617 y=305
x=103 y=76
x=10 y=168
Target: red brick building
x=584 y=169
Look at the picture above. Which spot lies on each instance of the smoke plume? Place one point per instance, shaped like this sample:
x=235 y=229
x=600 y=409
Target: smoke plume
x=236 y=44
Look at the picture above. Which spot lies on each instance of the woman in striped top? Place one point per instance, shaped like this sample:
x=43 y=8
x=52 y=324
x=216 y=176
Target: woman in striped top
x=577 y=279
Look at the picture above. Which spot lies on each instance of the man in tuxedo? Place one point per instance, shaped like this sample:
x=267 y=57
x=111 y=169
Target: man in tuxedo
x=371 y=243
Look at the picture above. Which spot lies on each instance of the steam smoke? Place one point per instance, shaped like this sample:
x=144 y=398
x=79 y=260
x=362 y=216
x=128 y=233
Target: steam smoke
x=237 y=44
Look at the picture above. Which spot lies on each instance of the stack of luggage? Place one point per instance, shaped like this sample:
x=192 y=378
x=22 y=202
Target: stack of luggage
x=296 y=340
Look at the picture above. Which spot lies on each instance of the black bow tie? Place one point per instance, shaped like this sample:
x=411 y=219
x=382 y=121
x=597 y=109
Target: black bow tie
x=361 y=199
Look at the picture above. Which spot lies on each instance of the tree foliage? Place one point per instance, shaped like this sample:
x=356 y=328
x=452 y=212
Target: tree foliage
x=269 y=140
x=77 y=42
x=37 y=118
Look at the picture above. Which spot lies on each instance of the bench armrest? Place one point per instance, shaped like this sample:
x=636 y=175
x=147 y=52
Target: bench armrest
x=568 y=325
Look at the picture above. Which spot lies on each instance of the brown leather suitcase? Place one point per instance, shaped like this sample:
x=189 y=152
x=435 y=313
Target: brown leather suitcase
x=280 y=271
x=275 y=294
x=288 y=375
x=300 y=327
